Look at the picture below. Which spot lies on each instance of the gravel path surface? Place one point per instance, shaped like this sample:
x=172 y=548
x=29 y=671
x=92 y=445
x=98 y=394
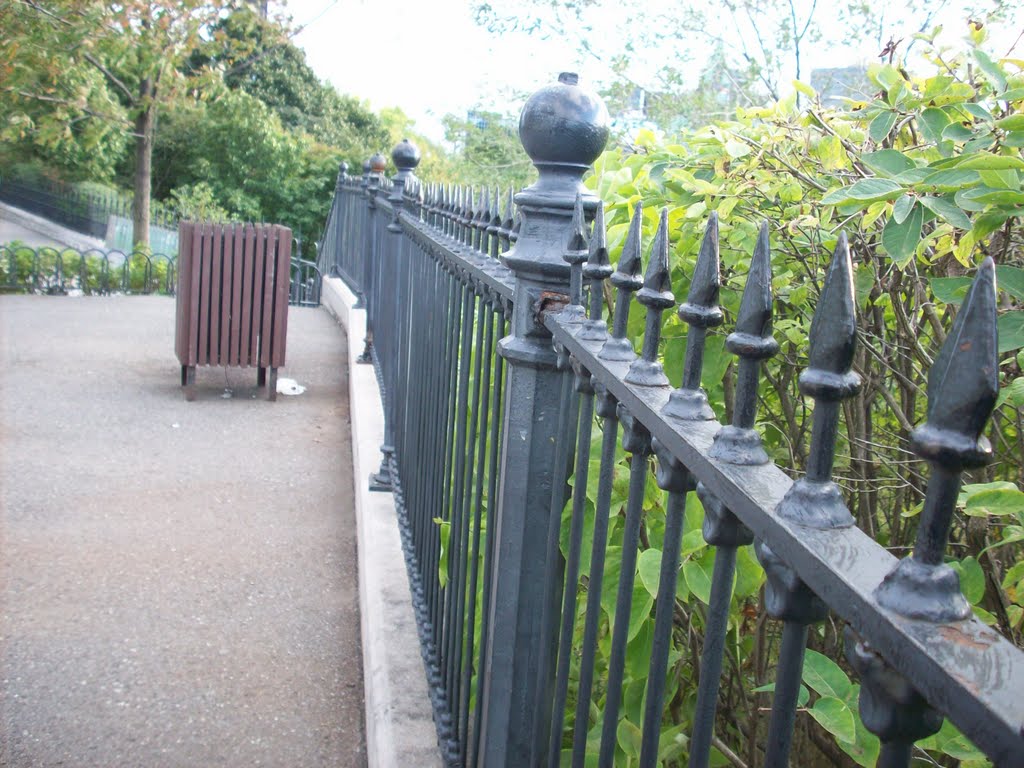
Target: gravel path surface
x=177 y=580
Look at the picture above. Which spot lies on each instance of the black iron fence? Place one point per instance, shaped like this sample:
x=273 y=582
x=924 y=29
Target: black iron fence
x=511 y=414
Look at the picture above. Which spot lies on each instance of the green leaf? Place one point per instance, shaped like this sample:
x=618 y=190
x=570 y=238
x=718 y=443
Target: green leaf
x=995 y=73
x=1011 y=280
x=749 y=574
x=989 y=196
x=881 y=125
x=610 y=580
x=736 y=148
x=639 y=610
x=913 y=175
x=629 y=738
x=1006 y=178
x=949 y=290
x=805 y=89
x=865 y=748
x=1014 y=122
x=951 y=213
x=864 y=191
x=888 y=162
x=957 y=132
x=835 y=717
x=995 y=501
x=672 y=743
x=698 y=576
x=1011 y=330
x=902 y=208
x=824 y=676
x=444 y=529
x=987 y=223
x=901 y=239
x=951 y=742
x=989 y=162
x=972 y=579
x=649 y=567
x=1012 y=394
x=951 y=179
x=932 y=122
x=865 y=280
x=978 y=111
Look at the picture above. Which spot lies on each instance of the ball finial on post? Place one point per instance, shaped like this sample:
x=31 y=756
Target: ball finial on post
x=378 y=163
x=563 y=128
x=405 y=156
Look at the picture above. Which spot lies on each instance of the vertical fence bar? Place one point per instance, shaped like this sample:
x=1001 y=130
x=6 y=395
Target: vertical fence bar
x=616 y=347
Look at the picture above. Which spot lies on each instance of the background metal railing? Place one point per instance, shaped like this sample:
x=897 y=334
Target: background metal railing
x=61 y=270
x=95 y=272
x=85 y=212
x=505 y=400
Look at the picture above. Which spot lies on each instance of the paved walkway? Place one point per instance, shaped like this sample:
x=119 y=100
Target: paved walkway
x=37 y=232
x=177 y=580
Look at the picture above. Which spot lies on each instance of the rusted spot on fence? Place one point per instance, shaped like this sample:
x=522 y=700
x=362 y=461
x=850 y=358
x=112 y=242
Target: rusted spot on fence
x=550 y=301
x=955 y=634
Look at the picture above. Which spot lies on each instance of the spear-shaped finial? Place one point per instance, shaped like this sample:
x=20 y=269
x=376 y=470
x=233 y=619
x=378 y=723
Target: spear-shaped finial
x=963 y=385
x=596 y=270
x=815 y=500
x=454 y=201
x=507 y=220
x=575 y=254
x=657 y=296
x=482 y=219
x=517 y=224
x=466 y=215
x=494 y=227
x=626 y=279
x=700 y=311
x=752 y=341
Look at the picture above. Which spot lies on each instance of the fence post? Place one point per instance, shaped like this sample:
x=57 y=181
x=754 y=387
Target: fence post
x=563 y=128
x=406 y=156
x=373 y=168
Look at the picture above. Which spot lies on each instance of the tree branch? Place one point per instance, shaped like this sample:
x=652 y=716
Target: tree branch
x=111 y=77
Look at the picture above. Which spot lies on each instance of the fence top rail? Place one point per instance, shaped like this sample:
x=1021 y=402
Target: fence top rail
x=465 y=261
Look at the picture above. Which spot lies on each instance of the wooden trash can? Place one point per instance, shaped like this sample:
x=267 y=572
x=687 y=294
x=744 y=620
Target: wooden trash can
x=232 y=300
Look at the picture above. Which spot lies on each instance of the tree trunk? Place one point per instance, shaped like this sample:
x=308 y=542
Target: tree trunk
x=143 y=164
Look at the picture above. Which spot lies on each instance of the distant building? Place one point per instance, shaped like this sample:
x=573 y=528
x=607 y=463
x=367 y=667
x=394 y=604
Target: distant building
x=837 y=83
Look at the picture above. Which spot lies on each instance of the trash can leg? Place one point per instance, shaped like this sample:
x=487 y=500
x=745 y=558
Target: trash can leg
x=188 y=374
x=272 y=385
x=261 y=376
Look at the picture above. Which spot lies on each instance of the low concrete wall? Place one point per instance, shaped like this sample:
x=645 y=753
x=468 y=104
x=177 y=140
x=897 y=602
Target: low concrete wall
x=399 y=719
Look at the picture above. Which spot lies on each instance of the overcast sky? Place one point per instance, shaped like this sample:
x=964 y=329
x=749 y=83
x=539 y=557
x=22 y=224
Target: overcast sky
x=426 y=56
x=430 y=58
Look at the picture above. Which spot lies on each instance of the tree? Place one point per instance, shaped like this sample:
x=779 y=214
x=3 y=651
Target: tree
x=488 y=150
x=129 y=54
x=258 y=57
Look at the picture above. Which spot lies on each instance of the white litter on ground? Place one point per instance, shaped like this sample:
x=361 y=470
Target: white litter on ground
x=289 y=387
